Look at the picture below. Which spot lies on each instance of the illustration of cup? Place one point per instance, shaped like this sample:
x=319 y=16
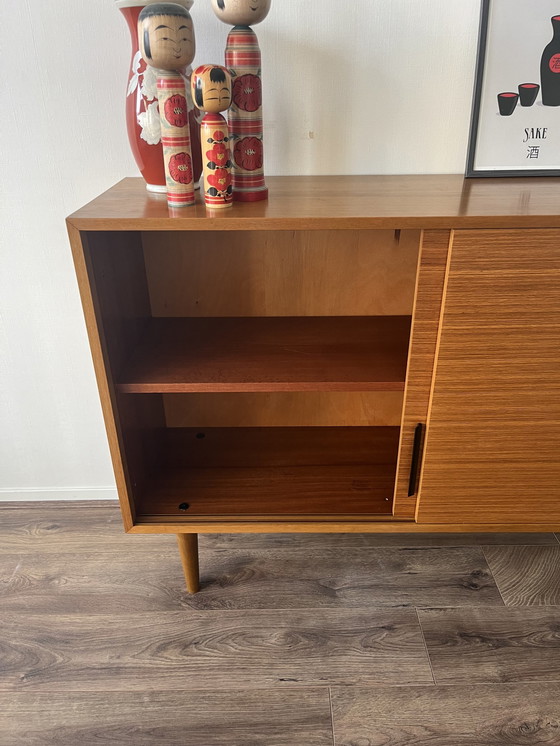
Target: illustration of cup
x=528 y=93
x=507 y=102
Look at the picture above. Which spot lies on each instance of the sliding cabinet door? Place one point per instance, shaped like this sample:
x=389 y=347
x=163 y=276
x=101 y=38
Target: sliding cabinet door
x=492 y=451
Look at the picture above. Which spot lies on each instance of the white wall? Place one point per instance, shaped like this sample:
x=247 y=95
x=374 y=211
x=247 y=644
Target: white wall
x=354 y=86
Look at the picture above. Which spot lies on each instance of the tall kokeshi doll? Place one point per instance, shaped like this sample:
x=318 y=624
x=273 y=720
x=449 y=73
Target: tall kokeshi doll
x=166 y=38
x=243 y=59
x=211 y=92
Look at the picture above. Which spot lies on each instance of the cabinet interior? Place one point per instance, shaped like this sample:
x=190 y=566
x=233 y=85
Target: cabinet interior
x=256 y=373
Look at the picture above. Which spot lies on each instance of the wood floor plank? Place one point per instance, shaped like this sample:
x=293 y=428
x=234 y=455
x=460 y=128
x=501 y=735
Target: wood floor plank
x=326 y=577
x=289 y=541
x=42 y=519
x=51 y=540
x=485 y=645
x=211 y=650
x=526 y=576
x=30 y=505
x=304 y=577
x=174 y=718
x=66 y=527
x=487 y=715
x=93 y=582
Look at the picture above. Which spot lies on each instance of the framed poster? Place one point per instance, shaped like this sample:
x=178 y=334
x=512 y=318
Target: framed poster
x=515 y=126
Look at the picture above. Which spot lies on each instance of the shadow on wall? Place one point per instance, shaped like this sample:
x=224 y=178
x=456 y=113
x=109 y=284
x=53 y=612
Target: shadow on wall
x=307 y=115
x=373 y=104
x=321 y=124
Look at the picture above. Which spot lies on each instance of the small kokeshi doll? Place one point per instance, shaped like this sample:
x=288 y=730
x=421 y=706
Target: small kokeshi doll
x=211 y=92
x=243 y=59
x=166 y=39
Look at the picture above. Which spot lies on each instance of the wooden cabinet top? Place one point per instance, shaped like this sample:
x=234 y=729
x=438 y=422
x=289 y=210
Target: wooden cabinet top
x=341 y=202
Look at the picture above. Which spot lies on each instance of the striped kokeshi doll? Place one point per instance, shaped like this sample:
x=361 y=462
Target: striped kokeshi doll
x=166 y=40
x=243 y=59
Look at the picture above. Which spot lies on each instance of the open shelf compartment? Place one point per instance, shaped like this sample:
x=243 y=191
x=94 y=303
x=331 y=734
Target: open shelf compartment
x=270 y=472
x=359 y=353
x=317 y=323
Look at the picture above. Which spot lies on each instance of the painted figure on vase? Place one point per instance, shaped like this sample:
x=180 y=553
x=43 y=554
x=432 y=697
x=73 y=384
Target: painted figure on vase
x=166 y=40
x=243 y=59
x=142 y=113
x=211 y=92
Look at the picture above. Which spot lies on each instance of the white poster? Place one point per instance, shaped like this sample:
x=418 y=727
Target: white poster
x=516 y=113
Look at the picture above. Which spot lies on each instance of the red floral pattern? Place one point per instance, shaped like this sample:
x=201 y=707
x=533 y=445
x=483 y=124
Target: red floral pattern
x=247 y=92
x=176 y=111
x=180 y=168
x=218 y=135
x=220 y=179
x=248 y=153
x=218 y=154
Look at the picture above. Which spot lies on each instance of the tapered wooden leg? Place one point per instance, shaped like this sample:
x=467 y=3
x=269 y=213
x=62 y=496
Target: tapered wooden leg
x=188 y=549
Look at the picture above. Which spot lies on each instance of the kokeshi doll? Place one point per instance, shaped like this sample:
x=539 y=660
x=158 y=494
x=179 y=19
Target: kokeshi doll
x=243 y=59
x=166 y=38
x=211 y=92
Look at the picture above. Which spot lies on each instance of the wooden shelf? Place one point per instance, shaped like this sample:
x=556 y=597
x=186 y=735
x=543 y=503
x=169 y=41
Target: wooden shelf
x=242 y=472
x=358 y=353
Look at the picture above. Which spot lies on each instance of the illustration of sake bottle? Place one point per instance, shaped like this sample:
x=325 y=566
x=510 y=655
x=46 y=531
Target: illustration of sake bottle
x=550 y=68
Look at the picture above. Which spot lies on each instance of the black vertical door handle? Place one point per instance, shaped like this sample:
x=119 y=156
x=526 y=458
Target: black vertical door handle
x=416 y=459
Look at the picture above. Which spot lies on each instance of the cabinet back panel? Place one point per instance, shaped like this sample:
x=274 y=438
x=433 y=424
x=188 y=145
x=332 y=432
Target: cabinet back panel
x=281 y=273
x=293 y=409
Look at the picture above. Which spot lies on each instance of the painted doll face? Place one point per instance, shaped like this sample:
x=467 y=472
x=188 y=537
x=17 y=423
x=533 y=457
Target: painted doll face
x=211 y=88
x=166 y=40
x=241 y=12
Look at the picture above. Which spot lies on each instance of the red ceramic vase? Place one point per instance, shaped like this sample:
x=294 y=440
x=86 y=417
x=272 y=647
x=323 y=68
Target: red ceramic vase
x=142 y=113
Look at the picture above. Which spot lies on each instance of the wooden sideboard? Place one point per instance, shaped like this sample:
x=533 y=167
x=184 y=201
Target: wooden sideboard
x=356 y=354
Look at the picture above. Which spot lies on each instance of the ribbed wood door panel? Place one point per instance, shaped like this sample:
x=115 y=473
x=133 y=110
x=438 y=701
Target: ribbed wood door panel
x=492 y=451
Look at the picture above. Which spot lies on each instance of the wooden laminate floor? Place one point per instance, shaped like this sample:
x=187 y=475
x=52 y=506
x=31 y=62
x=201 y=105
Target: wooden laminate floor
x=299 y=640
